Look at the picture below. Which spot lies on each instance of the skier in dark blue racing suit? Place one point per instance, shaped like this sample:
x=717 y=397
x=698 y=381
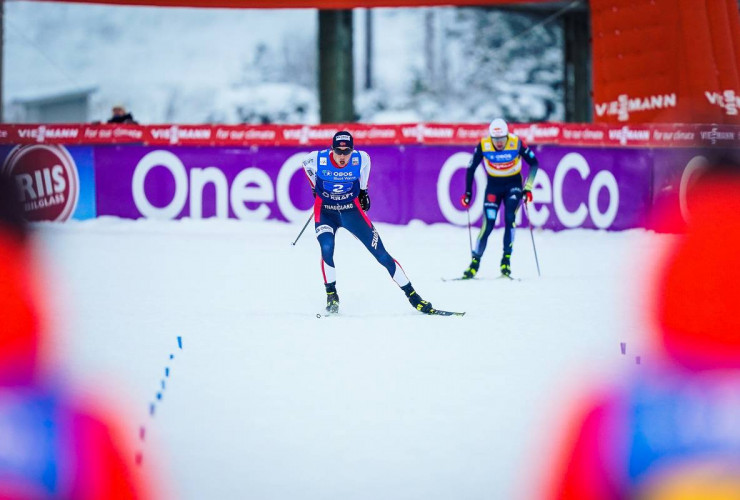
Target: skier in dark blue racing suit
x=339 y=178
x=501 y=154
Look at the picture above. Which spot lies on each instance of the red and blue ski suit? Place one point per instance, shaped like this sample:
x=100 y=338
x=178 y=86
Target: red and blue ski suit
x=337 y=205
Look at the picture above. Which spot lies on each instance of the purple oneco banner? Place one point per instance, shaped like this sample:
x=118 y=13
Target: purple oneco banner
x=599 y=188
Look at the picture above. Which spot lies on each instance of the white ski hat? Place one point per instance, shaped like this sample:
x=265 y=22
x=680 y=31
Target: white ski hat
x=498 y=128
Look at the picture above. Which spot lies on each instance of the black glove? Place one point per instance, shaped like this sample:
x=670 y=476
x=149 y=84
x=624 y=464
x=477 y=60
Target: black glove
x=364 y=200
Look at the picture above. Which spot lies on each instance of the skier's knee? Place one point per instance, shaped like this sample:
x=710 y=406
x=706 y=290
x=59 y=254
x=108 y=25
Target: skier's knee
x=510 y=219
x=327 y=246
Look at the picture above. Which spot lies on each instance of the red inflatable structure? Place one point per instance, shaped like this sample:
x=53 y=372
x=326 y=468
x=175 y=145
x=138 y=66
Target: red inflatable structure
x=669 y=61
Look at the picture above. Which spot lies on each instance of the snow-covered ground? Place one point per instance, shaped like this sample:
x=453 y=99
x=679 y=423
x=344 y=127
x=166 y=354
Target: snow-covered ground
x=267 y=401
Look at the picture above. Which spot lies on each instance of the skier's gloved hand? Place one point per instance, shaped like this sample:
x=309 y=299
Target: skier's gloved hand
x=465 y=199
x=364 y=200
x=527 y=195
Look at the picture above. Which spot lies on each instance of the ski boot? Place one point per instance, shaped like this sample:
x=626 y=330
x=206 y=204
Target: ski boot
x=471 y=271
x=416 y=301
x=506 y=265
x=332 y=298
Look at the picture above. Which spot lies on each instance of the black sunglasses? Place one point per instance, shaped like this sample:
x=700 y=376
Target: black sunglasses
x=343 y=151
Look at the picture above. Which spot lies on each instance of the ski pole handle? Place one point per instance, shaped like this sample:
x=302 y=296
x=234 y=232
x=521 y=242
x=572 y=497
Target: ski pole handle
x=304 y=228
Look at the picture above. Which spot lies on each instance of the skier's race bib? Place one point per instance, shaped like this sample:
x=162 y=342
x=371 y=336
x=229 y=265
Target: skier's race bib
x=338 y=187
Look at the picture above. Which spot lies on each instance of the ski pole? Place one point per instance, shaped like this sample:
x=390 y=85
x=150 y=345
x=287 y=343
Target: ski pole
x=531 y=233
x=304 y=228
x=470 y=234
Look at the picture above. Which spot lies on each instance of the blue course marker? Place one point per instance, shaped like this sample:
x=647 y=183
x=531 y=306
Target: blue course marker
x=151 y=409
x=166 y=371
x=179 y=342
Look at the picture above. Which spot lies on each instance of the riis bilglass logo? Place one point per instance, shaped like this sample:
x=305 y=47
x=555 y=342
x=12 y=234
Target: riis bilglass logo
x=47 y=181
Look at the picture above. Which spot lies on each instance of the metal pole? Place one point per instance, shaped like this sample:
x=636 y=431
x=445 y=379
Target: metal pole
x=336 y=66
x=368 y=48
x=304 y=228
x=531 y=233
x=470 y=233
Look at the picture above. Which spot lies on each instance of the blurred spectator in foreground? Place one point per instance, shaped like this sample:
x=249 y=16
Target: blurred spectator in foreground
x=672 y=429
x=120 y=115
x=52 y=444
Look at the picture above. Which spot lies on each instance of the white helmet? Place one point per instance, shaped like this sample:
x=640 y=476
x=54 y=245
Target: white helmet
x=498 y=128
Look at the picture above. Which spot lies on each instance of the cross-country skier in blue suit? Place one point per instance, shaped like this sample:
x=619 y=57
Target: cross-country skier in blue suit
x=339 y=178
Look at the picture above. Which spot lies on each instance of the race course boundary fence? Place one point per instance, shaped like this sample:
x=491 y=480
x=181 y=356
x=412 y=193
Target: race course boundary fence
x=597 y=176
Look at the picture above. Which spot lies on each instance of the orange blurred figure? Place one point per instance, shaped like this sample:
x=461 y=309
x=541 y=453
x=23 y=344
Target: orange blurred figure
x=672 y=430
x=52 y=446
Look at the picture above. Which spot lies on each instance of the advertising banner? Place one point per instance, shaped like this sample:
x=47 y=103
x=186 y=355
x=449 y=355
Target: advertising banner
x=599 y=176
x=431 y=134
x=576 y=187
x=55 y=183
x=174 y=182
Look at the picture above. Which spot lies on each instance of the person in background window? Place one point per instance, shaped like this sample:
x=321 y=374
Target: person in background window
x=120 y=115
